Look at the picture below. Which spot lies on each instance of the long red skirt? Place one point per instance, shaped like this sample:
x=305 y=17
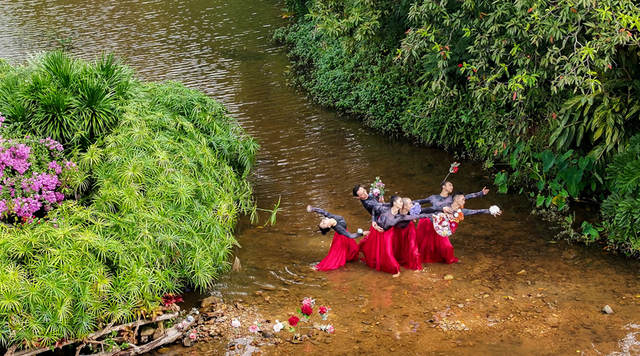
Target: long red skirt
x=378 y=251
x=342 y=250
x=432 y=247
x=405 y=248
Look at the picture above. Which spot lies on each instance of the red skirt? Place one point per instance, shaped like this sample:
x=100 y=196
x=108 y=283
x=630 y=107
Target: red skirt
x=342 y=250
x=405 y=248
x=432 y=247
x=378 y=251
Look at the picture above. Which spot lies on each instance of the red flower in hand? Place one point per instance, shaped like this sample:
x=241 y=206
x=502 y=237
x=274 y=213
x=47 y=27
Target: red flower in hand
x=453 y=225
x=293 y=321
x=323 y=310
x=306 y=310
x=455 y=169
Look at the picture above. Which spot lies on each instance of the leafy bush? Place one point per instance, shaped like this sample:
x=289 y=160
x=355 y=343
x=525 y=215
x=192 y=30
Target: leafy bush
x=621 y=209
x=159 y=192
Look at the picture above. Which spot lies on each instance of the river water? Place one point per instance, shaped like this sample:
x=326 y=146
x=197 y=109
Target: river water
x=516 y=290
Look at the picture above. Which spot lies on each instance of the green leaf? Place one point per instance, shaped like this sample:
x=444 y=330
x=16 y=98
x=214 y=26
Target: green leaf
x=540 y=200
x=548 y=159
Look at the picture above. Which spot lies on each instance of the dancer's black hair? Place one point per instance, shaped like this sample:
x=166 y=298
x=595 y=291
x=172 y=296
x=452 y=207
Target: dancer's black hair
x=325 y=230
x=457 y=193
x=394 y=198
x=355 y=190
x=444 y=182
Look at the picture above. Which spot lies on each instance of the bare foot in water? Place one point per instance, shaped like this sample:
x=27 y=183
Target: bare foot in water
x=396 y=275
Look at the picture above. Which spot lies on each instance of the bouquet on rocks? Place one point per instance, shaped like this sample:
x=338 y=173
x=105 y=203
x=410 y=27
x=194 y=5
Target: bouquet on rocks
x=305 y=313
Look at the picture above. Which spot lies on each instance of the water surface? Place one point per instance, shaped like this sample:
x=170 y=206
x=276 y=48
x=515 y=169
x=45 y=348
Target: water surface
x=518 y=293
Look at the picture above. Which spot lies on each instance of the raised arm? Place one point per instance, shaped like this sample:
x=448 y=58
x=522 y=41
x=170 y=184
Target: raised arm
x=425 y=200
x=468 y=212
x=321 y=212
x=479 y=194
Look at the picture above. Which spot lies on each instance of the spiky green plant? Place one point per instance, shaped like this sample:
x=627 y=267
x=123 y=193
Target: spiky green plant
x=160 y=190
x=67 y=99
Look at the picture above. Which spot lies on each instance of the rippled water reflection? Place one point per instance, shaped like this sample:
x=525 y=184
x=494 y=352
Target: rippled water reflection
x=311 y=156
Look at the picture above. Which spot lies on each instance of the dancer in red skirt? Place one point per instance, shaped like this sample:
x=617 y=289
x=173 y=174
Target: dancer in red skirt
x=378 y=246
x=405 y=248
x=343 y=247
x=433 y=234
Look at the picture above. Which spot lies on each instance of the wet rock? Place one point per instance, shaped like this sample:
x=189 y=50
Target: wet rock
x=159 y=332
x=476 y=282
x=569 y=254
x=522 y=272
x=448 y=277
x=186 y=342
x=259 y=292
x=607 y=310
x=267 y=335
x=163 y=350
x=267 y=286
x=328 y=340
x=207 y=302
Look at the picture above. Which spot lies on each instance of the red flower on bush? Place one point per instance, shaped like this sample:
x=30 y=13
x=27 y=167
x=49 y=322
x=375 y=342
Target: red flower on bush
x=460 y=65
x=293 y=321
x=307 y=310
x=323 y=310
x=169 y=299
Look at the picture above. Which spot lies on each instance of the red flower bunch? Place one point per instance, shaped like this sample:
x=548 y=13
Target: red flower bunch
x=293 y=321
x=323 y=310
x=169 y=299
x=454 y=226
x=455 y=169
x=306 y=310
x=460 y=65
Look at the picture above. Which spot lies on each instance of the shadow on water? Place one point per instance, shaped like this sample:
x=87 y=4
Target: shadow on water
x=515 y=291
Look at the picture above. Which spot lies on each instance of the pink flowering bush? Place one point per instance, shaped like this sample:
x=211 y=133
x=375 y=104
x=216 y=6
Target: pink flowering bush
x=33 y=176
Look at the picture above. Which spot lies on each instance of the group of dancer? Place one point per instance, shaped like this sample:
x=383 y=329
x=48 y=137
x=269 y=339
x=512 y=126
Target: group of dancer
x=394 y=240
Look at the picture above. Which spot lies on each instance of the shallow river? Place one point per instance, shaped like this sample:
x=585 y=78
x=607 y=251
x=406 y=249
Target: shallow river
x=516 y=291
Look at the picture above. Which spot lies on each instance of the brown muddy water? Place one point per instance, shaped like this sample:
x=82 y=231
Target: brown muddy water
x=516 y=292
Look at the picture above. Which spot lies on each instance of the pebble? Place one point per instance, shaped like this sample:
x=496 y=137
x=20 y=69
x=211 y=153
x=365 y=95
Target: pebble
x=448 y=277
x=163 y=350
x=607 y=310
x=328 y=340
x=522 y=272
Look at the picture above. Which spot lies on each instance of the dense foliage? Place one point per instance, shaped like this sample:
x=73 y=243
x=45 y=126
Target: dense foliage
x=545 y=92
x=622 y=208
x=149 y=211
x=69 y=100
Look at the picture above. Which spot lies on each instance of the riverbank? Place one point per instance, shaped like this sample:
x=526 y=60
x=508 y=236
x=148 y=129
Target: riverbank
x=488 y=304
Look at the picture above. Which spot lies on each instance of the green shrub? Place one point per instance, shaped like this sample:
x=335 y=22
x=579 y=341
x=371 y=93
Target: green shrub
x=159 y=192
x=621 y=209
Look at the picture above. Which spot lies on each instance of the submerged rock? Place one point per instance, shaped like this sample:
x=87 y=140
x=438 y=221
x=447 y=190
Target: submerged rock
x=607 y=310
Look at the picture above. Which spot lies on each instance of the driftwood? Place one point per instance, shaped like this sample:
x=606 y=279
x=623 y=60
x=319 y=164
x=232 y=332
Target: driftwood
x=91 y=337
x=172 y=334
